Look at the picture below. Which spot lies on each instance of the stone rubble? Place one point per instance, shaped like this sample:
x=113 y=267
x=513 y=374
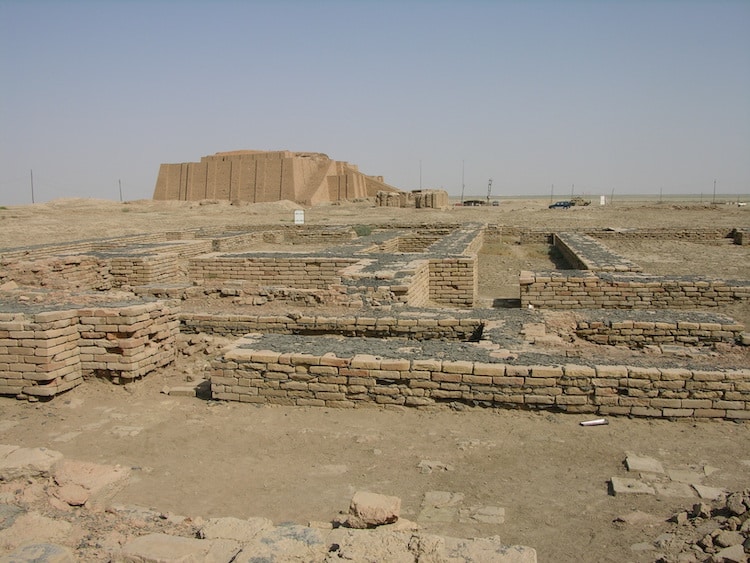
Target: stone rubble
x=56 y=510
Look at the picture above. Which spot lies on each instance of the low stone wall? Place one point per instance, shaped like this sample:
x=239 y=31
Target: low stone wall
x=583 y=252
x=285 y=271
x=66 y=272
x=287 y=378
x=638 y=333
x=46 y=353
x=413 y=328
x=574 y=289
x=534 y=236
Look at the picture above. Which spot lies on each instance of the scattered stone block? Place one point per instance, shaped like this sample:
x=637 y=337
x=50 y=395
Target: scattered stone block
x=625 y=486
x=643 y=464
x=368 y=510
x=733 y=554
x=727 y=538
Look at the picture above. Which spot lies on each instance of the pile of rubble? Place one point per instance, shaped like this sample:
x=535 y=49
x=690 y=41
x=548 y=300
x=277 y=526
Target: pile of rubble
x=58 y=510
x=717 y=533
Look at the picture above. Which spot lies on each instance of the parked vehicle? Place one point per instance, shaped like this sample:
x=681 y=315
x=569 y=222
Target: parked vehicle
x=561 y=205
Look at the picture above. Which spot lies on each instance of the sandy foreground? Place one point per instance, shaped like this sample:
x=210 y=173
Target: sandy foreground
x=549 y=474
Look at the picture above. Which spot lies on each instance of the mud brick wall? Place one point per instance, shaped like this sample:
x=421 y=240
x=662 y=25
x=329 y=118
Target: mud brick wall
x=77 y=247
x=67 y=272
x=454 y=281
x=263 y=376
x=586 y=290
x=127 y=342
x=144 y=270
x=39 y=353
x=533 y=236
x=302 y=272
x=417 y=242
x=416 y=328
x=583 y=252
x=416 y=292
x=636 y=334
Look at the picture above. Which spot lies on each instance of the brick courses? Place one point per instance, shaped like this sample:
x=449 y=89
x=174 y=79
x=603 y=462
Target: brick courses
x=283 y=377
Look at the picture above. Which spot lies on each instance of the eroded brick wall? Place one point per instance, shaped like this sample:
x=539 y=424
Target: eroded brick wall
x=46 y=353
x=262 y=376
x=572 y=289
x=302 y=272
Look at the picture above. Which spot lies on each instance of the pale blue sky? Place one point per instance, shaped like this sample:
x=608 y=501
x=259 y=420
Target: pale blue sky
x=634 y=97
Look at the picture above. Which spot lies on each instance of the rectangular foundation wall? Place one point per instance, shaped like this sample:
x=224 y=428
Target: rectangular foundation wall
x=263 y=376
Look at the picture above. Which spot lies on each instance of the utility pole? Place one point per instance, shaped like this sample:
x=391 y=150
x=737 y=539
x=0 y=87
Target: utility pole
x=552 y=193
x=32 y=186
x=420 y=173
x=713 y=201
x=119 y=184
x=462 y=182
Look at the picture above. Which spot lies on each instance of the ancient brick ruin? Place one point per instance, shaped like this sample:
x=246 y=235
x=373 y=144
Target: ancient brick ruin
x=401 y=324
x=262 y=176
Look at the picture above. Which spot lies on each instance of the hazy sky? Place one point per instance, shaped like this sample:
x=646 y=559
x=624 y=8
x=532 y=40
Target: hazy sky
x=629 y=96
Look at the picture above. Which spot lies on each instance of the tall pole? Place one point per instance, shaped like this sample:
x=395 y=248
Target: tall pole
x=463 y=185
x=32 y=186
x=119 y=185
x=714 y=199
x=420 y=173
x=552 y=193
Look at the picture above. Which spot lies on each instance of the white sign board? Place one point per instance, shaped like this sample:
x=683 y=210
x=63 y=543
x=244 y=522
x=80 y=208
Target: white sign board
x=299 y=216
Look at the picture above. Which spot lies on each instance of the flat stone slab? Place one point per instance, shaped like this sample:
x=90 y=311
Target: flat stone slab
x=162 y=548
x=440 y=506
x=285 y=543
x=40 y=553
x=709 y=493
x=21 y=463
x=625 y=486
x=643 y=464
x=32 y=527
x=674 y=490
x=685 y=476
x=8 y=515
x=242 y=531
